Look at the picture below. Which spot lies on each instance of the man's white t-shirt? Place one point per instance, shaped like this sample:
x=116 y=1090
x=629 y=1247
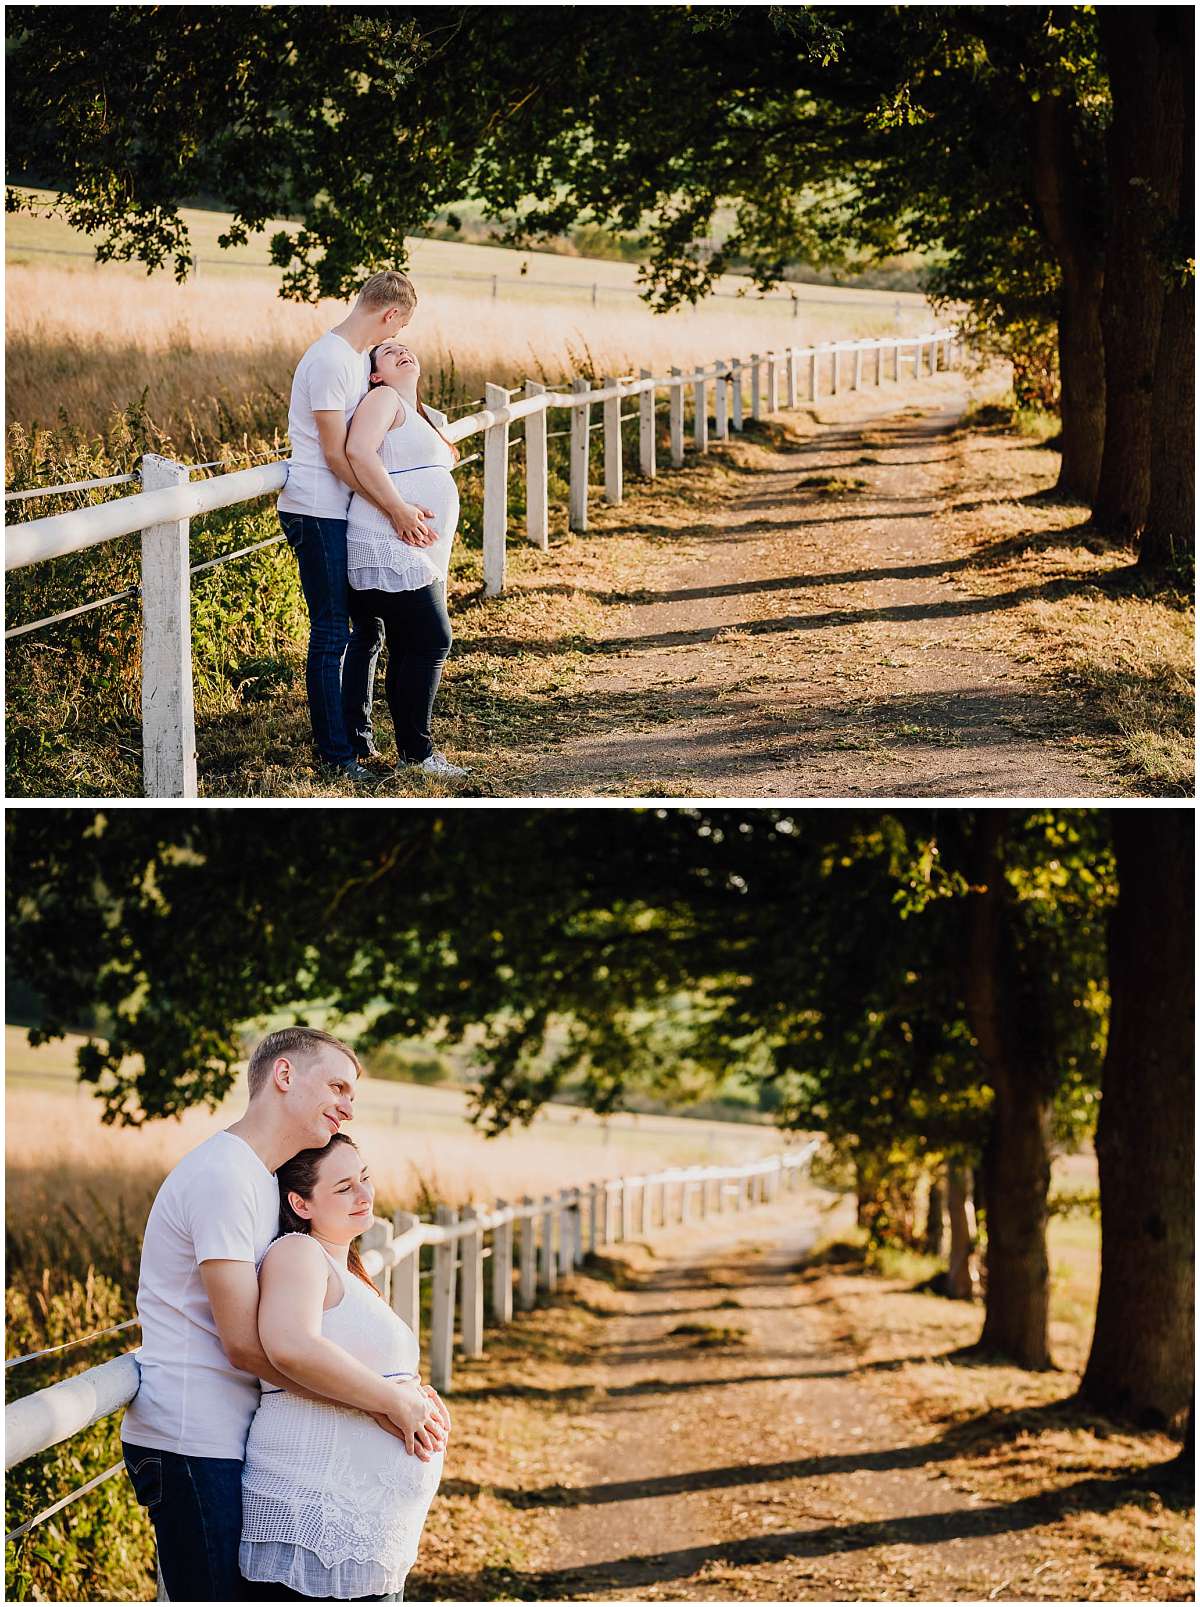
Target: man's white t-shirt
x=330 y=375
x=219 y=1204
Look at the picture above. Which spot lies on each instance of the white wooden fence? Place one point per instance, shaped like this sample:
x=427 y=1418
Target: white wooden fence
x=162 y=510
x=533 y=1245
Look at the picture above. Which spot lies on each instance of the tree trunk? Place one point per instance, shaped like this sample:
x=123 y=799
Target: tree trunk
x=962 y=1279
x=1010 y=1031
x=1145 y=162
x=1170 y=533
x=1017 y=1161
x=935 y=1222
x=1077 y=240
x=1142 y=1364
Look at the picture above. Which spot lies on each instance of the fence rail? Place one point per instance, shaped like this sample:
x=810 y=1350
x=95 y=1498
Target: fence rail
x=535 y=1244
x=162 y=511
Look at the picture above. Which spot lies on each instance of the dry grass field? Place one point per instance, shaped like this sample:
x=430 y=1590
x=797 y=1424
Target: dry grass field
x=90 y=338
x=418 y=1140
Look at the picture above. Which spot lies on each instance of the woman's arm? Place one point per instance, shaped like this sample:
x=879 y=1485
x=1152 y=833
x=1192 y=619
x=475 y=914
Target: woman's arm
x=292 y=1283
x=373 y=418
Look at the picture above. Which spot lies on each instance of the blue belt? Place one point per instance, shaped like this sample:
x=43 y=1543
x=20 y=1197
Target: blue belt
x=273 y=1390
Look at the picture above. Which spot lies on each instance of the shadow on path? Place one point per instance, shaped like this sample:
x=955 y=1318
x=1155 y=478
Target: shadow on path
x=1097 y=1494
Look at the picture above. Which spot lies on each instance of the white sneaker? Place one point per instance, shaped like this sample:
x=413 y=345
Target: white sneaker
x=438 y=765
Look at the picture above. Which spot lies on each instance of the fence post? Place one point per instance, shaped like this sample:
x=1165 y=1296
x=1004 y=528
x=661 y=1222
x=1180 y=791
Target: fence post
x=772 y=383
x=377 y=1237
x=502 y=1265
x=643 y=1197
x=528 y=1258
x=537 y=473
x=917 y=359
x=612 y=447
x=565 y=1235
x=878 y=362
x=755 y=386
x=472 y=1287
x=549 y=1270
x=721 y=403
x=857 y=366
x=627 y=1209
x=812 y=375
x=594 y=1239
x=580 y=439
x=441 y=1343
x=735 y=369
x=406 y=1277
x=676 y=421
x=700 y=413
x=168 y=699
x=791 y=376
x=835 y=381
x=896 y=363
x=647 y=456
x=495 y=494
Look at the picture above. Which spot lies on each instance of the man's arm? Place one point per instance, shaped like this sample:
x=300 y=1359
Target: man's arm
x=232 y=1290
x=331 y=427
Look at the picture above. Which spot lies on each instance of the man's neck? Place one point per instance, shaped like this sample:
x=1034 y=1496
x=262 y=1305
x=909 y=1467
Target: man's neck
x=268 y=1138
x=357 y=331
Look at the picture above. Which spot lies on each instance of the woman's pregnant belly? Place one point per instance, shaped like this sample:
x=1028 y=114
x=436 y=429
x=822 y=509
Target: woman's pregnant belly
x=431 y=488
x=308 y=1445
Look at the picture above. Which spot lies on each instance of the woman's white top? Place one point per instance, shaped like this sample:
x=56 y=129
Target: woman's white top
x=419 y=461
x=332 y=1504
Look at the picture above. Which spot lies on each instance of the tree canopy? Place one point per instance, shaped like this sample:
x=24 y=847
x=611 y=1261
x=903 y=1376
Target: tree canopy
x=807 y=947
x=1037 y=154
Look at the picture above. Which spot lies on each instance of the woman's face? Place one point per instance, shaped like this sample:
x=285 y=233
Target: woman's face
x=396 y=363
x=340 y=1207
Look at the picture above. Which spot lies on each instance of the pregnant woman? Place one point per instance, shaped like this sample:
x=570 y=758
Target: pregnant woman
x=401 y=459
x=332 y=1503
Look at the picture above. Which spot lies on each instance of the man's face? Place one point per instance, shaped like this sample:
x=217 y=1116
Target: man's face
x=322 y=1093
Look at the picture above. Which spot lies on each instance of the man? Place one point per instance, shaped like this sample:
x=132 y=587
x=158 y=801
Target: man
x=211 y=1222
x=330 y=381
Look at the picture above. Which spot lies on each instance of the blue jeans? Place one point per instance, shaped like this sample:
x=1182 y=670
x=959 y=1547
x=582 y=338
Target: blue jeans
x=339 y=695
x=195 y=1504
x=418 y=639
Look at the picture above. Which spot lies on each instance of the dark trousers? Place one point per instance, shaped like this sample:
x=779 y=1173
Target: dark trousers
x=195 y=1504
x=417 y=628
x=339 y=693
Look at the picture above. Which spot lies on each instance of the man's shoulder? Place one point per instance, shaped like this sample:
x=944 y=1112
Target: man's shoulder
x=219 y=1156
x=330 y=350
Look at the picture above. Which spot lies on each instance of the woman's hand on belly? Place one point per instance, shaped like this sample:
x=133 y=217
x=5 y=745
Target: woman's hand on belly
x=411 y=523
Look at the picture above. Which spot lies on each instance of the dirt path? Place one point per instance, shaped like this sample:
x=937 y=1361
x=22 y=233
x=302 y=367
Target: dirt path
x=768 y=1468
x=817 y=642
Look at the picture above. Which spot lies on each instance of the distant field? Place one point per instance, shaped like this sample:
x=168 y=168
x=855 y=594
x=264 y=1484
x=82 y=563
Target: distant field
x=90 y=338
x=417 y=1139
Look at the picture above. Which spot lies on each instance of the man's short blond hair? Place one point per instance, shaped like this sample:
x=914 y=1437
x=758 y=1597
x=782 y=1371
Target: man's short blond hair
x=387 y=289
x=292 y=1041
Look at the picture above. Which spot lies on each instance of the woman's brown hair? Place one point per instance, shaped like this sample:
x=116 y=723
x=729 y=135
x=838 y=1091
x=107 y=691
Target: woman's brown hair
x=374 y=384
x=299 y=1176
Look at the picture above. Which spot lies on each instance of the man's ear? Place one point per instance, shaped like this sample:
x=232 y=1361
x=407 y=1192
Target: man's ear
x=281 y=1073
